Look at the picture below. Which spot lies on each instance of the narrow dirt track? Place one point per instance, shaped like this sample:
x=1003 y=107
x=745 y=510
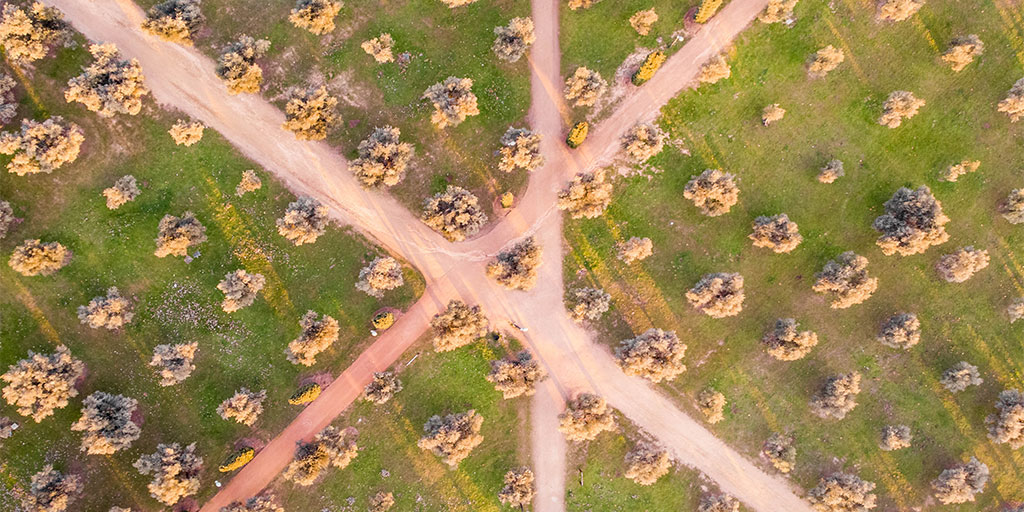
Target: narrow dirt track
x=182 y=78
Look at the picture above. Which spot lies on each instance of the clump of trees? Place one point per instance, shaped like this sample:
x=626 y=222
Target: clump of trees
x=244 y=406
x=240 y=289
x=520 y=149
x=516 y=376
x=1013 y=104
x=584 y=87
x=962 y=264
x=382 y=501
x=786 y=342
x=35 y=258
x=111 y=311
x=453 y=436
x=42 y=383
x=898 y=10
x=41 y=147
x=832 y=171
x=962 y=51
x=713 y=191
x=642 y=21
x=646 y=463
x=515 y=268
x=264 y=503
x=960 y=483
x=380 y=48
x=655 y=355
x=902 y=331
x=824 y=60
x=125 y=190
x=382 y=274
x=176 y=234
x=643 y=141
x=518 y=490
x=453 y=101
x=1007 y=424
x=51 y=491
x=317 y=335
x=382 y=159
x=837 y=397
x=711 y=404
x=953 y=172
x=777 y=233
x=842 y=492
x=8 y=104
x=895 y=437
x=309 y=113
x=332 y=446
x=513 y=39
x=587 y=195
x=772 y=113
x=27 y=35
x=585 y=417
x=714 y=69
x=718 y=503
x=898 y=106
x=588 y=303
x=846 y=277
x=175 y=471
x=634 y=249
x=779 y=450
x=457 y=326
x=718 y=295
x=7 y=218
x=961 y=376
x=777 y=11
x=304 y=221
x=174 y=20
x=382 y=388
x=109 y=85
x=316 y=16
x=455 y=214
x=250 y=183
x=174 y=363
x=107 y=423
x=237 y=66
x=1012 y=207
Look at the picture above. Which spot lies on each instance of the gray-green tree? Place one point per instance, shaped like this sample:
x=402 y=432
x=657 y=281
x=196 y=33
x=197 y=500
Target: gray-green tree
x=846 y=278
x=42 y=147
x=174 y=20
x=316 y=16
x=515 y=268
x=902 y=331
x=960 y=483
x=110 y=311
x=457 y=326
x=42 y=383
x=107 y=423
x=109 y=84
x=175 y=472
x=513 y=39
x=585 y=416
x=587 y=195
x=382 y=159
x=28 y=34
x=452 y=437
x=317 y=336
x=455 y=214
x=176 y=235
x=517 y=375
x=843 y=492
x=786 y=342
x=837 y=397
x=36 y=258
x=718 y=295
x=304 y=221
x=655 y=355
x=453 y=101
x=714 y=192
x=237 y=66
x=310 y=113
x=913 y=221
x=51 y=491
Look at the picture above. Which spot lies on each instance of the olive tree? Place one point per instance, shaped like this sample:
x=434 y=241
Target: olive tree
x=513 y=39
x=786 y=342
x=962 y=264
x=175 y=472
x=655 y=355
x=240 y=289
x=380 y=48
x=237 y=66
x=51 y=491
x=779 y=450
x=382 y=501
x=107 y=423
x=585 y=417
x=316 y=16
x=453 y=101
x=832 y=171
x=382 y=388
x=634 y=249
x=962 y=51
x=711 y=404
x=960 y=483
x=332 y=446
x=715 y=69
x=953 y=172
x=587 y=195
x=309 y=113
x=646 y=463
x=8 y=103
x=516 y=376
x=457 y=326
x=837 y=397
x=713 y=191
x=317 y=336
x=1012 y=207
x=176 y=235
x=897 y=10
x=642 y=21
x=244 y=406
x=842 y=492
x=898 y=106
x=35 y=258
x=584 y=87
x=42 y=383
x=452 y=437
x=41 y=147
x=382 y=159
x=846 y=278
x=27 y=34
x=174 y=363
x=643 y=141
x=718 y=295
x=455 y=214
x=7 y=218
x=961 y=376
x=110 y=84
x=518 y=489
x=718 y=503
x=895 y=437
x=772 y=113
x=111 y=312
x=1013 y=104
x=520 y=149
x=125 y=190
x=174 y=20
x=824 y=61
x=1007 y=424
x=262 y=503
x=901 y=331
x=777 y=233
x=304 y=221
x=382 y=274
x=250 y=183
x=515 y=268
x=588 y=303
x=777 y=11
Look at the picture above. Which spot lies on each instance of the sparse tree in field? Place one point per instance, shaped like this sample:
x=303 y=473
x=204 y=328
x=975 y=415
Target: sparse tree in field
x=646 y=463
x=250 y=183
x=240 y=289
x=779 y=450
x=585 y=417
x=35 y=258
x=8 y=104
x=382 y=388
x=712 y=404
x=714 y=69
x=111 y=311
x=962 y=51
x=837 y=397
x=515 y=268
x=125 y=190
x=237 y=66
x=185 y=133
x=382 y=501
x=634 y=249
x=175 y=471
x=27 y=34
x=520 y=149
x=842 y=492
x=382 y=274
x=1015 y=310
x=962 y=264
x=901 y=331
x=340 y=445
x=516 y=376
x=584 y=87
x=895 y=437
x=518 y=490
x=174 y=20
x=713 y=191
x=316 y=337
x=42 y=383
x=453 y=101
x=953 y=172
x=960 y=483
x=587 y=195
x=110 y=84
x=961 y=376
x=588 y=304
x=1007 y=425
x=772 y=113
x=382 y=158
x=1012 y=207
x=642 y=21
x=786 y=342
x=513 y=39
x=1013 y=104
x=898 y=10
x=41 y=147
x=174 y=363
x=718 y=295
x=777 y=11
x=107 y=423
x=457 y=326
x=380 y=48
x=455 y=214
x=824 y=60
x=655 y=355
x=718 y=503
x=832 y=171
x=7 y=218
x=244 y=406
x=777 y=233
x=643 y=141
x=578 y=4
x=453 y=436
x=177 y=234
x=316 y=16
x=304 y=221
x=51 y=491
x=309 y=113
x=898 y=106
x=846 y=277
x=263 y=503
x=310 y=460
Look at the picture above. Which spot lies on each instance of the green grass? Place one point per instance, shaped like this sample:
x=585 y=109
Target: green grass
x=176 y=302
x=835 y=117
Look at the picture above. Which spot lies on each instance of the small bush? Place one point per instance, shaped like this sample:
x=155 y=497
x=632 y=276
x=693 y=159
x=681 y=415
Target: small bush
x=651 y=64
x=237 y=460
x=316 y=16
x=125 y=190
x=305 y=394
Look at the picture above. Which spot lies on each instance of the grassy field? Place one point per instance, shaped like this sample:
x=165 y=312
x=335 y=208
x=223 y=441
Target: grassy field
x=836 y=117
x=176 y=302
